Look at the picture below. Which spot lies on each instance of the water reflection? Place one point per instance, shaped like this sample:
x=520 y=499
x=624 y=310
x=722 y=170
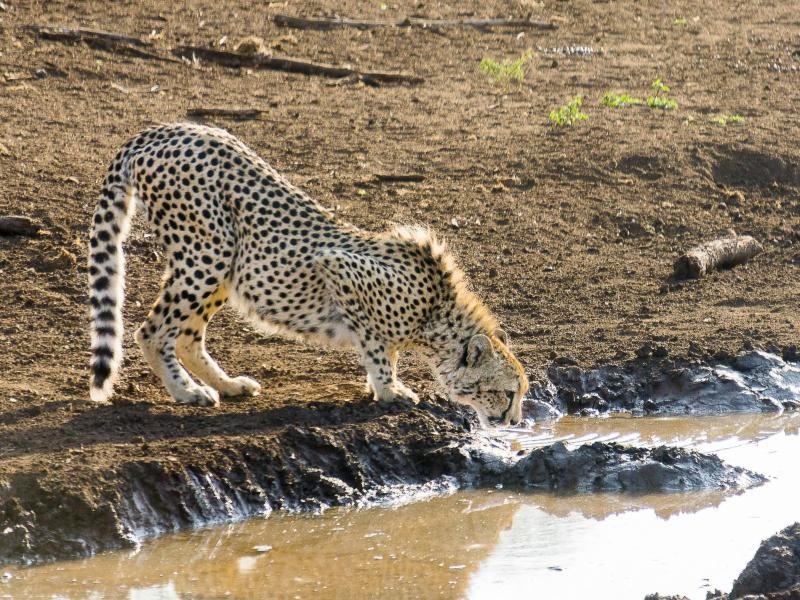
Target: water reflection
x=485 y=544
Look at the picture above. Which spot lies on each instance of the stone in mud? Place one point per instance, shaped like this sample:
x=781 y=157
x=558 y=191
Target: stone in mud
x=753 y=381
x=604 y=467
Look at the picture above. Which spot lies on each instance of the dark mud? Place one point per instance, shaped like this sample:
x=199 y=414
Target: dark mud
x=433 y=449
x=752 y=381
x=775 y=569
x=772 y=574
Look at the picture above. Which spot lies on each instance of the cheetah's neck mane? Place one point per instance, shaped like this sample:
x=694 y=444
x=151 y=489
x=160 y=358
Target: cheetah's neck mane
x=458 y=304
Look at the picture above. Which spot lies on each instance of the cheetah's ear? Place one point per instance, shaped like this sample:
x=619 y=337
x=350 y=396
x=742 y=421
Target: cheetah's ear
x=501 y=335
x=478 y=349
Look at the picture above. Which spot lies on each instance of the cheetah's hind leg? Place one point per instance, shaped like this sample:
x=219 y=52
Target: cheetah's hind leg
x=192 y=352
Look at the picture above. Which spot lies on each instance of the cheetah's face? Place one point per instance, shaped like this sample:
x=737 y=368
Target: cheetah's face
x=490 y=379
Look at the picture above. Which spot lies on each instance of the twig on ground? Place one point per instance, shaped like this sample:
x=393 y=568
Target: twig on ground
x=722 y=253
x=323 y=24
x=291 y=65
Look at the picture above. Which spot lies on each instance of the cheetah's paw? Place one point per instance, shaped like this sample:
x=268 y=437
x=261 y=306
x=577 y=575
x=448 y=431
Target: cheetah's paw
x=198 y=396
x=241 y=386
x=401 y=398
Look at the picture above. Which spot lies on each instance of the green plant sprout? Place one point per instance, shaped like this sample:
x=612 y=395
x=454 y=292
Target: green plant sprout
x=569 y=113
x=619 y=100
x=680 y=22
x=727 y=119
x=506 y=71
x=657 y=100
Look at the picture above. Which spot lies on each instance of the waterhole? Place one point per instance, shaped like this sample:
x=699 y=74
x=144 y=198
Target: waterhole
x=484 y=544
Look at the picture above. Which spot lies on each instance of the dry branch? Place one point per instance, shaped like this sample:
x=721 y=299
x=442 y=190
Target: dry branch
x=239 y=114
x=722 y=253
x=13 y=225
x=102 y=40
x=337 y=22
x=291 y=65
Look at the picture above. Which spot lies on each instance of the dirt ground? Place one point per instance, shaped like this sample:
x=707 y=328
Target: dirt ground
x=569 y=234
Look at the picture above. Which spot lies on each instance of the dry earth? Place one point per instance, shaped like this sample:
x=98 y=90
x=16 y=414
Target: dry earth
x=569 y=234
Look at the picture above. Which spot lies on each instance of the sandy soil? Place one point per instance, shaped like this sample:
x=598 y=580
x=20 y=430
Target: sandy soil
x=568 y=234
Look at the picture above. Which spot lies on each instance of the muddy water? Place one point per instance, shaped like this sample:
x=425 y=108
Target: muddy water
x=487 y=544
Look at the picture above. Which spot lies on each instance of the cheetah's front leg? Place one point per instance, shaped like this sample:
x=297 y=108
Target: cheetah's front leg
x=396 y=391
x=341 y=271
x=381 y=366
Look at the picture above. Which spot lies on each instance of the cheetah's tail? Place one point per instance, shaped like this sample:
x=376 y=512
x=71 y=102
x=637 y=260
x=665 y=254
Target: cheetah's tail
x=110 y=227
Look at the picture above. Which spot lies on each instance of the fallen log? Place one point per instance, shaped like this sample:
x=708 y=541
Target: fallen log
x=291 y=65
x=323 y=24
x=14 y=225
x=722 y=253
x=80 y=34
x=101 y=40
x=238 y=114
x=399 y=178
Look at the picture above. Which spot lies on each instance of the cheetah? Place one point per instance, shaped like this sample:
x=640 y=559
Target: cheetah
x=233 y=229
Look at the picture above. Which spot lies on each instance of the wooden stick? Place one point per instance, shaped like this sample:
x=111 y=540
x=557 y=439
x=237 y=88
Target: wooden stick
x=14 y=225
x=239 y=114
x=323 y=24
x=722 y=253
x=291 y=65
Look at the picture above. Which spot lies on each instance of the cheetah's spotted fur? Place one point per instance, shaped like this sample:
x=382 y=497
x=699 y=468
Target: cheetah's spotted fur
x=233 y=229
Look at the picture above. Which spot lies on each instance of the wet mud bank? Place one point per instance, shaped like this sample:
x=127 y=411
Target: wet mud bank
x=78 y=509
x=772 y=574
x=654 y=384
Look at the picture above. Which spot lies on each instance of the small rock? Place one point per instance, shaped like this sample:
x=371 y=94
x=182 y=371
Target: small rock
x=660 y=352
x=251 y=45
x=63 y=261
x=695 y=349
x=566 y=361
x=645 y=351
x=262 y=549
x=789 y=353
x=649 y=405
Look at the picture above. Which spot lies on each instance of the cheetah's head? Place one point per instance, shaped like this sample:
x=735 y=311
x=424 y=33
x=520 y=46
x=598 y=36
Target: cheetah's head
x=490 y=379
